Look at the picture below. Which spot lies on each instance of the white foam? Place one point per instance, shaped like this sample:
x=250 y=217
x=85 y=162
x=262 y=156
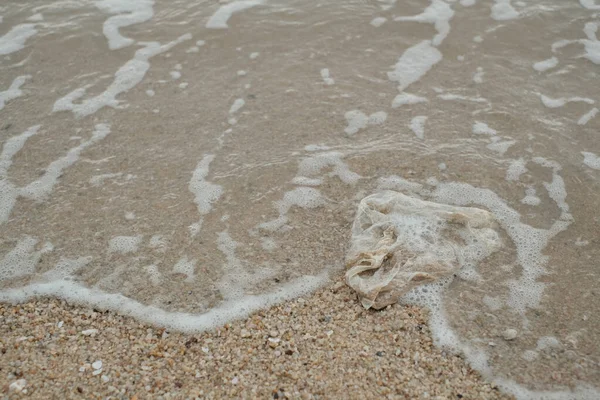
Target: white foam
x=175 y=75
x=452 y=96
x=153 y=274
x=303 y=197
x=65 y=268
x=185 y=322
x=561 y=101
x=438 y=13
x=326 y=78
x=14 y=40
x=158 y=243
x=126 y=78
x=516 y=169
x=124 y=244
x=398 y=184
x=378 y=21
x=502 y=10
x=193 y=49
x=585 y=118
x=545 y=65
x=478 y=75
x=591 y=44
x=205 y=193
x=467 y=3
x=530 y=197
x=36 y=17
x=414 y=63
x=501 y=147
x=219 y=19
x=591 y=160
x=481 y=128
x=200 y=43
x=236 y=106
x=241 y=72
x=417 y=125
x=22 y=259
x=589 y=4
x=130 y=12
x=358 y=120
x=311 y=166
x=150 y=92
x=407 y=98
x=186 y=267
x=478 y=39
x=254 y=55
x=41 y=188
x=14 y=90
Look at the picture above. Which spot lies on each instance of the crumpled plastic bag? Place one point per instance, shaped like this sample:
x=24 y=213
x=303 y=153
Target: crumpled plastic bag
x=400 y=242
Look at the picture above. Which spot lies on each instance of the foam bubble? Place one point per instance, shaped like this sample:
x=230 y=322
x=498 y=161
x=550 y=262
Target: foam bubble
x=502 y=10
x=205 y=192
x=236 y=106
x=219 y=19
x=395 y=182
x=124 y=244
x=313 y=165
x=358 y=120
x=414 y=63
x=407 y=98
x=14 y=40
x=530 y=197
x=481 y=128
x=14 y=90
x=254 y=55
x=438 y=13
x=501 y=147
x=39 y=189
x=23 y=258
x=585 y=118
x=560 y=102
x=126 y=78
x=591 y=160
x=478 y=76
x=129 y=12
x=417 y=125
x=378 y=21
x=303 y=197
x=187 y=267
x=326 y=78
x=516 y=169
x=65 y=268
x=153 y=274
x=589 y=4
x=545 y=65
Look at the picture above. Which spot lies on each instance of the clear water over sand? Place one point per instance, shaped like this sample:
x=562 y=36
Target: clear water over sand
x=161 y=158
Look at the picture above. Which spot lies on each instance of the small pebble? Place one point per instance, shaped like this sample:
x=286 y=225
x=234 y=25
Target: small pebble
x=18 y=386
x=510 y=334
x=97 y=364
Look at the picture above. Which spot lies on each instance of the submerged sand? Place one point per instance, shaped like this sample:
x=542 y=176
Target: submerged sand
x=325 y=346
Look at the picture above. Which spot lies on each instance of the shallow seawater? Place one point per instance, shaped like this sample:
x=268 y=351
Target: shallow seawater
x=187 y=162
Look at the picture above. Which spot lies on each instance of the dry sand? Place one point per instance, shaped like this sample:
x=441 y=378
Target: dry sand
x=320 y=347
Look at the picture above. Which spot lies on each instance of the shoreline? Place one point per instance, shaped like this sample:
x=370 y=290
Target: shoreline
x=320 y=346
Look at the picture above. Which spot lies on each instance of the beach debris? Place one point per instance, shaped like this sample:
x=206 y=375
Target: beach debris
x=89 y=332
x=400 y=242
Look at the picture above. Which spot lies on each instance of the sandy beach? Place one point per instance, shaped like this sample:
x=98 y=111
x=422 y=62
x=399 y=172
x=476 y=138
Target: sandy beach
x=325 y=346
